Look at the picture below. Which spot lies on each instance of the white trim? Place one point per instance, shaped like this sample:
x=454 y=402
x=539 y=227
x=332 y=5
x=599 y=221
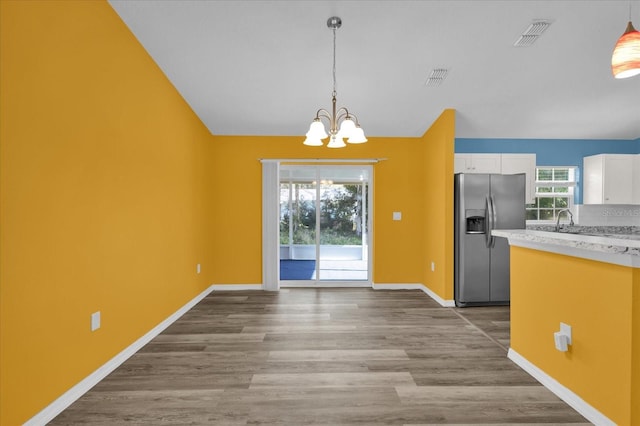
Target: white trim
x=415 y=286
x=270 y=225
x=236 y=287
x=321 y=160
x=69 y=397
x=443 y=302
x=324 y=284
x=572 y=399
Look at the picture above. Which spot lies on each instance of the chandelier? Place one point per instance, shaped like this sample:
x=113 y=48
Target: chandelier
x=342 y=123
x=625 y=61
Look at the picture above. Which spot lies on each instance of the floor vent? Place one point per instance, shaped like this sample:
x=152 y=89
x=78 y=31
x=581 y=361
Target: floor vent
x=532 y=33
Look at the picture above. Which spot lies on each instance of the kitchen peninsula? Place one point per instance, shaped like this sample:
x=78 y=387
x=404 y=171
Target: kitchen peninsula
x=589 y=279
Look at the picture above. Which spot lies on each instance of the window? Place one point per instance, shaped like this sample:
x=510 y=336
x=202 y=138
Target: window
x=554 y=192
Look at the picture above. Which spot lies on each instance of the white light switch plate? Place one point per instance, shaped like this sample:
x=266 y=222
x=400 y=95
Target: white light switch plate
x=95 y=321
x=397 y=215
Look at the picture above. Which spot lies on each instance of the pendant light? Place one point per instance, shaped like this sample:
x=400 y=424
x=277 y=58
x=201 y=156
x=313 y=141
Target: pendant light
x=625 y=61
x=342 y=123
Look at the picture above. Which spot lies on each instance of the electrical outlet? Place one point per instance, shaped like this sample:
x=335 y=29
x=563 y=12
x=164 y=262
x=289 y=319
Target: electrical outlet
x=95 y=321
x=397 y=215
x=433 y=266
x=198 y=268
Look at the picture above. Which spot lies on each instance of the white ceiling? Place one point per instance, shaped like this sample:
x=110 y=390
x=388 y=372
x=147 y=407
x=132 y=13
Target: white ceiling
x=264 y=67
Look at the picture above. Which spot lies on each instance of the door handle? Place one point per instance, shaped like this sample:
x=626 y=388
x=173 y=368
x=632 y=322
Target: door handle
x=489 y=221
x=493 y=220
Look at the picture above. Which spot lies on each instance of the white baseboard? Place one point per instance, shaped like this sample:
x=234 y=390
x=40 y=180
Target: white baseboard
x=443 y=302
x=325 y=284
x=70 y=396
x=398 y=286
x=572 y=399
x=236 y=287
x=416 y=286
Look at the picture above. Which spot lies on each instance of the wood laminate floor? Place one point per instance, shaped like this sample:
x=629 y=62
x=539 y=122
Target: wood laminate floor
x=323 y=357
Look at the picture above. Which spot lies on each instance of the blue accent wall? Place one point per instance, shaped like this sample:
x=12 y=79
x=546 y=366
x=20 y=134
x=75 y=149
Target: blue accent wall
x=551 y=152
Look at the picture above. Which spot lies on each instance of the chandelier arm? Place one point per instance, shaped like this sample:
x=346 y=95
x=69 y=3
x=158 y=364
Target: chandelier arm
x=343 y=113
x=355 y=119
x=323 y=113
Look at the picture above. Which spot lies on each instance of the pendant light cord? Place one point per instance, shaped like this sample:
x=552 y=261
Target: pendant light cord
x=334 y=61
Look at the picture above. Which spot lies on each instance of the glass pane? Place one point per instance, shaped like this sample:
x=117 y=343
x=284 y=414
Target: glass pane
x=342 y=225
x=561 y=174
x=544 y=189
x=303 y=213
x=545 y=174
x=297 y=231
x=561 y=202
x=546 y=214
x=285 y=213
x=532 y=215
x=545 y=202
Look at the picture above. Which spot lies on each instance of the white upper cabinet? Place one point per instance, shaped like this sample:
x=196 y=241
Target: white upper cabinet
x=507 y=164
x=608 y=179
x=522 y=163
x=477 y=163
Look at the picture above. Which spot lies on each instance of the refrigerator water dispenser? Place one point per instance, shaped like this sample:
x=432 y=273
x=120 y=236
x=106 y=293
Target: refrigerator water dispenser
x=475 y=221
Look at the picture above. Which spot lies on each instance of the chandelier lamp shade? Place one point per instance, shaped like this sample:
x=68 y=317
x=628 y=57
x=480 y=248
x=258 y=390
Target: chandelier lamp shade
x=342 y=124
x=625 y=61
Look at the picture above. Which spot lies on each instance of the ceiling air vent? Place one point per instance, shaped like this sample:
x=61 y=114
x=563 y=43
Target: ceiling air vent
x=531 y=34
x=436 y=77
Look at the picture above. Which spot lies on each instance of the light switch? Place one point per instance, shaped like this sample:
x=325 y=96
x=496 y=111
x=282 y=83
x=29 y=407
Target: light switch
x=397 y=215
x=95 y=321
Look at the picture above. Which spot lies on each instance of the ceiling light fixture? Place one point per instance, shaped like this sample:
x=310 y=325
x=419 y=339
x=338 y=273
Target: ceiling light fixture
x=625 y=61
x=341 y=118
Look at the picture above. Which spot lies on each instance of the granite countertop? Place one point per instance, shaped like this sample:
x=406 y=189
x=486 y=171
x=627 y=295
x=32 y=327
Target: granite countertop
x=619 y=245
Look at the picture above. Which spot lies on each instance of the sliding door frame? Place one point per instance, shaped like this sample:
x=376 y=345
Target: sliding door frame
x=271 y=226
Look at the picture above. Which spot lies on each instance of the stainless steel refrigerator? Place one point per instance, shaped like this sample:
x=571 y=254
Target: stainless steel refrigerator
x=484 y=202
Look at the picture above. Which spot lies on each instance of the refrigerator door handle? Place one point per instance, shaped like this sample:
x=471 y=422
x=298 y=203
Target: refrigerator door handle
x=489 y=221
x=493 y=220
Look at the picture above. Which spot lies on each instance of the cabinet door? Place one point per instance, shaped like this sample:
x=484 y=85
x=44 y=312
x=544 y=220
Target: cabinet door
x=477 y=163
x=522 y=163
x=618 y=178
x=593 y=176
x=608 y=179
x=461 y=163
x=486 y=163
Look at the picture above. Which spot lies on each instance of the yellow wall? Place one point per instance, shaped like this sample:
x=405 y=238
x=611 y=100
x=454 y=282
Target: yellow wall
x=597 y=300
x=112 y=191
x=416 y=171
x=398 y=185
x=438 y=232
x=104 y=200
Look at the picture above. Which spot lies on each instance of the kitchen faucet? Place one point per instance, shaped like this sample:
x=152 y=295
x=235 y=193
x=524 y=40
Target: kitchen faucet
x=570 y=218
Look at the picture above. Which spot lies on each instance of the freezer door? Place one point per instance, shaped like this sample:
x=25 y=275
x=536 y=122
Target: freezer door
x=472 y=256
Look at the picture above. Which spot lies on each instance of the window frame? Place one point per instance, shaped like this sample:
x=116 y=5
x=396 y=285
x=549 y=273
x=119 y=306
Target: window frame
x=570 y=184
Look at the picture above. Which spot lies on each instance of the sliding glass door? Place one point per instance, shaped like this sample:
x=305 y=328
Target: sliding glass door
x=324 y=224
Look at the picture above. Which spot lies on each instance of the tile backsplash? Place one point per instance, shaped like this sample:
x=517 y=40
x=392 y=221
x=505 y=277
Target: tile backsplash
x=608 y=214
